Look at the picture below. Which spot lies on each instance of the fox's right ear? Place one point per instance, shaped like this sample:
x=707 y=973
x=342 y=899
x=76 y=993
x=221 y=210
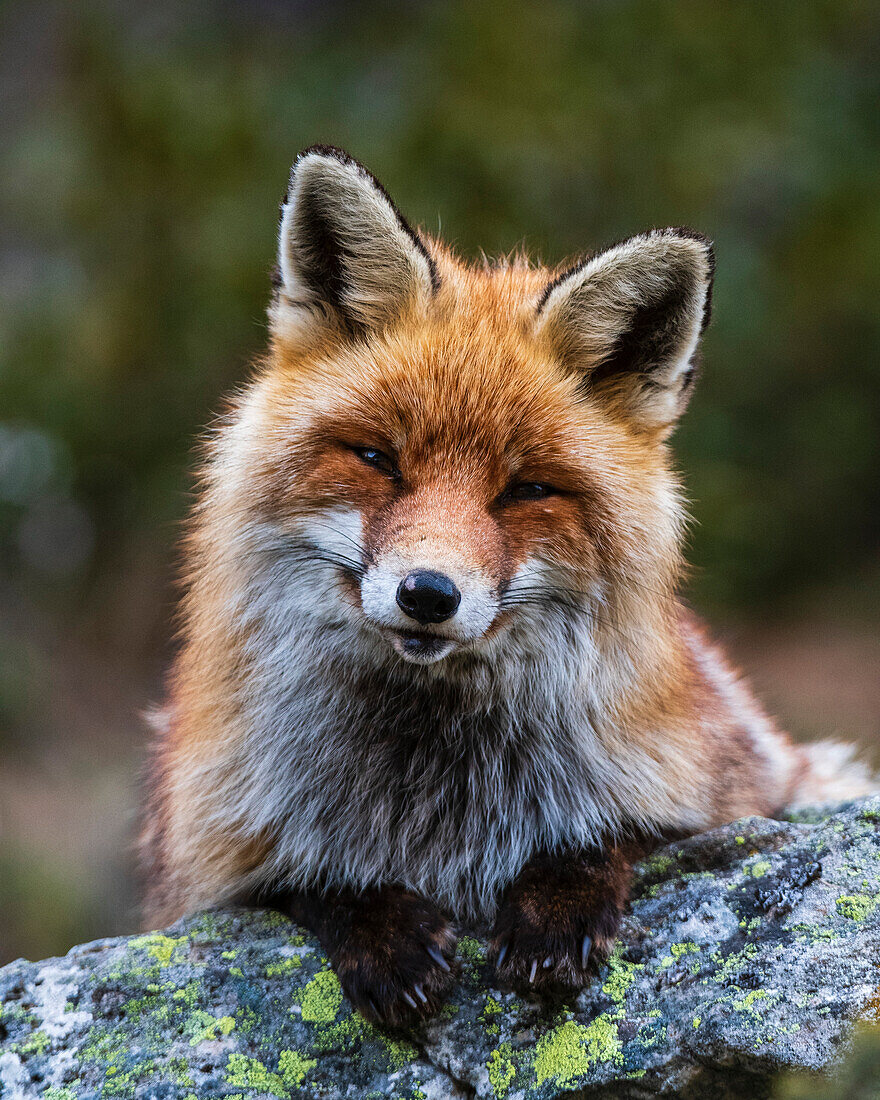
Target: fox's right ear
x=347 y=260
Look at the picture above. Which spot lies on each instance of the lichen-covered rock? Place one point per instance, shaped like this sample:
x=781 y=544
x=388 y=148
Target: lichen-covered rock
x=747 y=950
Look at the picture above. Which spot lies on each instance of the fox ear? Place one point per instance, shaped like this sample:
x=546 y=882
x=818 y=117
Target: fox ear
x=629 y=320
x=346 y=257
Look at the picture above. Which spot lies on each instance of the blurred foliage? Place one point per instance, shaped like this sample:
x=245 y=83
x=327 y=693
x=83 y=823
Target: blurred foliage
x=141 y=183
x=145 y=148
x=857 y=1079
x=49 y=901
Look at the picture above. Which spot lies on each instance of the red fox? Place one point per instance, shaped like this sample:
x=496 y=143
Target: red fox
x=434 y=667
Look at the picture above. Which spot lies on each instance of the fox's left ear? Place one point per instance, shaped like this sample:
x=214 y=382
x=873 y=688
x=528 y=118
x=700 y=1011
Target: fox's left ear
x=347 y=259
x=629 y=321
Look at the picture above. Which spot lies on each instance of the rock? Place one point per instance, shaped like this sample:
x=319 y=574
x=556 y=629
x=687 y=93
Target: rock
x=748 y=950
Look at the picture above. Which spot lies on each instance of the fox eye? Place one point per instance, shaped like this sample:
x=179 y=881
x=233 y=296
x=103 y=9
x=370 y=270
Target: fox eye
x=378 y=460
x=526 y=490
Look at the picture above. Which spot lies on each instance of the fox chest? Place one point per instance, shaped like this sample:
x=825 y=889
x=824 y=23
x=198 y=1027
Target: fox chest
x=452 y=810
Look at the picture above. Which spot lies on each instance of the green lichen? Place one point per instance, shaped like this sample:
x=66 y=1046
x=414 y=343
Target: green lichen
x=110 y=1048
x=759 y=868
x=56 y=1092
x=123 y=1084
x=178 y=1070
x=278 y=969
x=321 y=998
x=567 y=1052
x=244 y=1072
x=687 y=947
x=501 y=1069
x=273 y=919
x=747 y=1003
x=472 y=955
x=103 y=1046
x=813 y=933
x=734 y=962
x=697 y=1020
x=856 y=906
x=658 y=865
x=37 y=1043
x=206 y=1027
x=210 y=926
x=161 y=947
x=621 y=975
x=246 y=1020
x=15 y=1014
x=347 y=1035
x=492 y=1008
x=740 y=840
x=471 y=950
x=400 y=1053
x=187 y=995
x=293 y=1067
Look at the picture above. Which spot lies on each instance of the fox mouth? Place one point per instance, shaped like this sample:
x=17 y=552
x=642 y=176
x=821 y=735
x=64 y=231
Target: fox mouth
x=419 y=646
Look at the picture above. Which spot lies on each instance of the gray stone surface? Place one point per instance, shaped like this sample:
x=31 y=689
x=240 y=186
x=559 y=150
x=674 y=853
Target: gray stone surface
x=747 y=950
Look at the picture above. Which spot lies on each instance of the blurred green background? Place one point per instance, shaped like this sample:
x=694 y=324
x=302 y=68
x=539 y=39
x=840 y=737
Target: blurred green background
x=145 y=149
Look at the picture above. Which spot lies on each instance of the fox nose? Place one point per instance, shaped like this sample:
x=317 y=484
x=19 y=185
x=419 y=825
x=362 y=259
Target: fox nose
x=427 y=596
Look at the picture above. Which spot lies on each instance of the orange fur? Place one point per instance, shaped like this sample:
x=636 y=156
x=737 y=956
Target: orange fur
x=468 y=394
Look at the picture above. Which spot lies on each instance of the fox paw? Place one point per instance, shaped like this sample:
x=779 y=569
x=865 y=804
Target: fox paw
x=552 y=943
x=395 y=963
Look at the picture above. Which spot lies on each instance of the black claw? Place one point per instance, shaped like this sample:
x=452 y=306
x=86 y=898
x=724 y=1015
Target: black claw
x=548 y=962
x=533 y=971
x=502 y=951
x=375 y=1008
x=437 y=957
x=410 y=1001
x=420 y=993
x=585 y=950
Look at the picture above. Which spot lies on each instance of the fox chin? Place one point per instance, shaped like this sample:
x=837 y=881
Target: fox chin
x=434 y=664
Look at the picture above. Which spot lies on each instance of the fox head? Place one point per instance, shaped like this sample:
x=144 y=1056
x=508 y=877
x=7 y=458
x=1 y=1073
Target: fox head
x=438 y=461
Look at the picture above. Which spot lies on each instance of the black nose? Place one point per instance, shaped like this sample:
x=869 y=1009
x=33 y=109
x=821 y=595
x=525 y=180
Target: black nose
x=428 y=597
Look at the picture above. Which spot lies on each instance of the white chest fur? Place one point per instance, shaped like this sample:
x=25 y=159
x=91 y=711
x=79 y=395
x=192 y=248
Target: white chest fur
x=380 y=778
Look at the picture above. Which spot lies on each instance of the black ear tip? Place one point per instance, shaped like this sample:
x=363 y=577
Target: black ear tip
x=318 y=155
x=686 y=233
x=326 y=152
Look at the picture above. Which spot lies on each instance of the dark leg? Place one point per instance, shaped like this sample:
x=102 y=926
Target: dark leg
x=390 y=949
x=558 y=919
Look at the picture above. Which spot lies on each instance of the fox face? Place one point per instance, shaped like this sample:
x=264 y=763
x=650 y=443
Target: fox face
x=456 y=462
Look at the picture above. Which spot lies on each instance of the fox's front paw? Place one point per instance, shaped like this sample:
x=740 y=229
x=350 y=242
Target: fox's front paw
x=556 y=927
x=395 y=961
